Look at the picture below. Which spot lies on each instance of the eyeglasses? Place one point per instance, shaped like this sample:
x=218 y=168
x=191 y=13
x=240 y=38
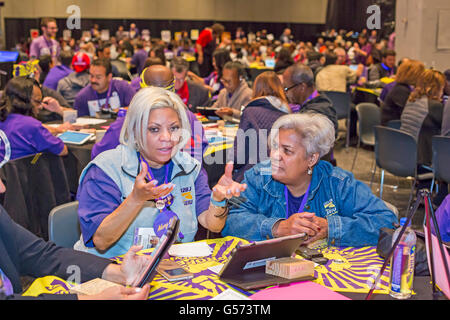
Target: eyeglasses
x=39 y=102
x=224 y=81
x=291 y=87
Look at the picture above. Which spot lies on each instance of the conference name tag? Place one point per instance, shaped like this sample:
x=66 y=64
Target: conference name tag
x=257 y=263
x=145 y=237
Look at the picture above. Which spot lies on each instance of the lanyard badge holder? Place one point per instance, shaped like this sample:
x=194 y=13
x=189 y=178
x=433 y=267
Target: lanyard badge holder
x=162 y=221
x=303 y=203
x=105 y=108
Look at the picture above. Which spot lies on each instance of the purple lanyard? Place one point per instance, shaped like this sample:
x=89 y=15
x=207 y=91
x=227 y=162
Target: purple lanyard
x=312 y=96
x=49 y=44
x=150 y=176
x=302 y=205
x=107 y=97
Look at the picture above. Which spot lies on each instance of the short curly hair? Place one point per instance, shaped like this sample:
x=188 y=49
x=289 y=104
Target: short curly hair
x=315 y=130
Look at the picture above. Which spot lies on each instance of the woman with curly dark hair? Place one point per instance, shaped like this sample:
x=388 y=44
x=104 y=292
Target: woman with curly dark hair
x=19 y=106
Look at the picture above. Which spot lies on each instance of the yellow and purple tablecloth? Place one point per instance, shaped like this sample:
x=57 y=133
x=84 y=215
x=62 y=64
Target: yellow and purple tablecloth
x=348 y=270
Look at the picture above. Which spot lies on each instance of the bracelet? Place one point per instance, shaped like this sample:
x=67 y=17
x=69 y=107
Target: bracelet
x=220 y=204
x=223 y=214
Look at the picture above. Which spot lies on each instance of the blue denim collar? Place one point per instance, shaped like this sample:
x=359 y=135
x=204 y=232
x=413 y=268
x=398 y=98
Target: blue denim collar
x=276 y=189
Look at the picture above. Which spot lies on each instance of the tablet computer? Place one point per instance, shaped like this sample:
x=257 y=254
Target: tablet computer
x=353 y=67
x=270 y=63
x=207 y=111
x=246 y=267
x=158 y=253
x=75 y=137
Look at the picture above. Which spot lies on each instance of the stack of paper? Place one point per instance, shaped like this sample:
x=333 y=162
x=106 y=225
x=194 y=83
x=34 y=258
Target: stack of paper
x=192 y=249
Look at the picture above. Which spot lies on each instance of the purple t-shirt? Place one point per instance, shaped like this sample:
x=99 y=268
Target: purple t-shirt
x=138 y=60
x=55 y=74
x=88 y=101
x=99 y=196
x=27 y=136
x=110 y=140
x=443 y=219
x=136 y=84
x=360 y=59
x=41 y=46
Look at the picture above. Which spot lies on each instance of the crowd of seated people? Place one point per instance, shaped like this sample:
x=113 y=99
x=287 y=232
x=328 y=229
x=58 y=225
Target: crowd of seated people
x=161 y=87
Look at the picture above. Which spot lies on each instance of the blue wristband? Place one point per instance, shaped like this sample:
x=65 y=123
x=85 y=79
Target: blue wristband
x=221 y=204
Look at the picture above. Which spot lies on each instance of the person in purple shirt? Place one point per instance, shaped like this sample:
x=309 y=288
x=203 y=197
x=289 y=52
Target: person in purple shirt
x=133 y=32
x=139 y=57
x=18 y=110
x=46 y=43
x=147 y=180
x=364 y=50
x=104 y=93
x=59 y=71
x=156 y=76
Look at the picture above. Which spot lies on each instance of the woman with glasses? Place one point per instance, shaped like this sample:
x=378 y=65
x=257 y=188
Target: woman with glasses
x=19 y=107
x=213 y=81
x=236 y=93
x=129 y=194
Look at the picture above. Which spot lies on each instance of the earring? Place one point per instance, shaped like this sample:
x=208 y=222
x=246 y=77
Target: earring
x=309 y=171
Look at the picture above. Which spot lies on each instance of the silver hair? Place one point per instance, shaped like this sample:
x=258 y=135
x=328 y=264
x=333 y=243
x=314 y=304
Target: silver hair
x=133 y=133
x=316 y=131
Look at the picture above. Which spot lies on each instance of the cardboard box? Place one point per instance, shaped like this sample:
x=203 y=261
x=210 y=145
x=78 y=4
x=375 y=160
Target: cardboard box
x=290 y=268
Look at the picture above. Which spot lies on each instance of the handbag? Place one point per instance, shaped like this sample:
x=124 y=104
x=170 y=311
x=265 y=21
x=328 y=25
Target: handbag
x=384 y=245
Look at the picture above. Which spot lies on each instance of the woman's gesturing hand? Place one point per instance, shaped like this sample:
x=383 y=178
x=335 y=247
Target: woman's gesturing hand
x=226 y=187
x=145 y=191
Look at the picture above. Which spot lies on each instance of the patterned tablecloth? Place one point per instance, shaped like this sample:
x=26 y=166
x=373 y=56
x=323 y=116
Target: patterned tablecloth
x=348 y=270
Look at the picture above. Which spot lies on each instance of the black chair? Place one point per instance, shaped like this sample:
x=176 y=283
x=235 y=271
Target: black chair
x=342 y=104
x=396 y=152
x=34 y=186
x=254 y=72
x=441 y=159
x=121 y=66
x=368 y=118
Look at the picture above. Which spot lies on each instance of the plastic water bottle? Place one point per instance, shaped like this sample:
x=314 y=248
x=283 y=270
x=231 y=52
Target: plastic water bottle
x=402 y=263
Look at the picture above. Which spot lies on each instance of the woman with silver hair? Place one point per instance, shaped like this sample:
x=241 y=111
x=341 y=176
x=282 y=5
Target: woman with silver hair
x=295 y=192
x=128 y=195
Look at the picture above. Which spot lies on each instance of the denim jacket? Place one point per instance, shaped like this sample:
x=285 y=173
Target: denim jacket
x=354 y=214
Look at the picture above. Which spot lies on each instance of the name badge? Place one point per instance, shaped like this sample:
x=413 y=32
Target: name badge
x=145 y=237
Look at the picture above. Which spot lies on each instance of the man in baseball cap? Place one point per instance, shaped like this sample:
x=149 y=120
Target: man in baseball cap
x=69 y=86
x=80 y=62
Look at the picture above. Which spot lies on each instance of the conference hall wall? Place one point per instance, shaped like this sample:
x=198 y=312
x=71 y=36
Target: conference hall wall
x=305 y=17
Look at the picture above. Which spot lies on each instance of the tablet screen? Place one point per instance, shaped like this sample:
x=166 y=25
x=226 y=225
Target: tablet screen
x=270 y=63
x=74 y=137
x=354 y=67
x=9 y=56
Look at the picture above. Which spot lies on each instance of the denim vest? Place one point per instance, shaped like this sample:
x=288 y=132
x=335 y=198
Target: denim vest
x=122 y=166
